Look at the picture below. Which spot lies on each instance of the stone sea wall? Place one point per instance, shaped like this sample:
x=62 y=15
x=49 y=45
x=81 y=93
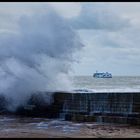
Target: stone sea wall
x=113 y=107
x=121 y=107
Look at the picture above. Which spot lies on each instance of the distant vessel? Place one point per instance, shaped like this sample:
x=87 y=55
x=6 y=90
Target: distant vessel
x=102 y=75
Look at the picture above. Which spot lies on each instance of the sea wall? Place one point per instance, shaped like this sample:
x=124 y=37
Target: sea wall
x=113 y=107
x=107 y=107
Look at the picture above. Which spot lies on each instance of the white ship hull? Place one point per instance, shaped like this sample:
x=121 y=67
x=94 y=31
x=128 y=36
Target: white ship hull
x=102 y=75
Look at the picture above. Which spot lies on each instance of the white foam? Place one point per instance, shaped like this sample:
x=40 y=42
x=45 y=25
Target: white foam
x=106 y=90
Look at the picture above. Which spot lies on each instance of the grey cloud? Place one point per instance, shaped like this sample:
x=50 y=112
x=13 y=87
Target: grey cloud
x=98 y=18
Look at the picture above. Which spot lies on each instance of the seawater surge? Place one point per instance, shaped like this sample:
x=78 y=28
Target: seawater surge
x=36 y=55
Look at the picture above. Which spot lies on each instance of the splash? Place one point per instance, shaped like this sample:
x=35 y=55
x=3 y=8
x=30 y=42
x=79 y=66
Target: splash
x=36 y=57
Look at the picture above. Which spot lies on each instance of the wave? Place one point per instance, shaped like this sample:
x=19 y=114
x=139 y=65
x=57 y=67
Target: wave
x=87 y=90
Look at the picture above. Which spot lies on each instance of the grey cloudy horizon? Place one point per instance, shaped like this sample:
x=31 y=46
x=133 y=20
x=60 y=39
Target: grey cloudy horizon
x=110 y=32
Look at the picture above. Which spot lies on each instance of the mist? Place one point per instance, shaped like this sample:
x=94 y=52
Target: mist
x=37 y=57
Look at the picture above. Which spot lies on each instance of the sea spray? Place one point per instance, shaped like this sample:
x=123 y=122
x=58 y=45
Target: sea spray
x=36 y=57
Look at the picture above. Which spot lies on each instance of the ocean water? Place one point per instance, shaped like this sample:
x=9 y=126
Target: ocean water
x=17 y=126
x=116 y=83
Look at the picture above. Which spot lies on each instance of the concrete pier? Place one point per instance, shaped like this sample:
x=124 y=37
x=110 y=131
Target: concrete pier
x=112 y=107
x=107 y=107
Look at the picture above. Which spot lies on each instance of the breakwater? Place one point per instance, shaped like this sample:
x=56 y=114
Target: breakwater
x=113 y=107
x=107 y=107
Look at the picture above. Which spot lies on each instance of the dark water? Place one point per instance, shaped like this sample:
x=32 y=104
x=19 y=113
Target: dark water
x=117 y=83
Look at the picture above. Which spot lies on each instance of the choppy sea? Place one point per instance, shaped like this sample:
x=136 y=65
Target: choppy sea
x=22 y=126
x=116 y=83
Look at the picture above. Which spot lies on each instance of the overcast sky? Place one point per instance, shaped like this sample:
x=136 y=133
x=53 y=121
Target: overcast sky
x=110 y=33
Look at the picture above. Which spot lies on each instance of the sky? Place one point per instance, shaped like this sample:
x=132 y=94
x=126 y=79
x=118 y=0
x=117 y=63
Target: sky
x=109 y=32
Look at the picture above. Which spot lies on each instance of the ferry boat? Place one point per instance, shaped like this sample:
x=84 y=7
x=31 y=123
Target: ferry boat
x=102 y=75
